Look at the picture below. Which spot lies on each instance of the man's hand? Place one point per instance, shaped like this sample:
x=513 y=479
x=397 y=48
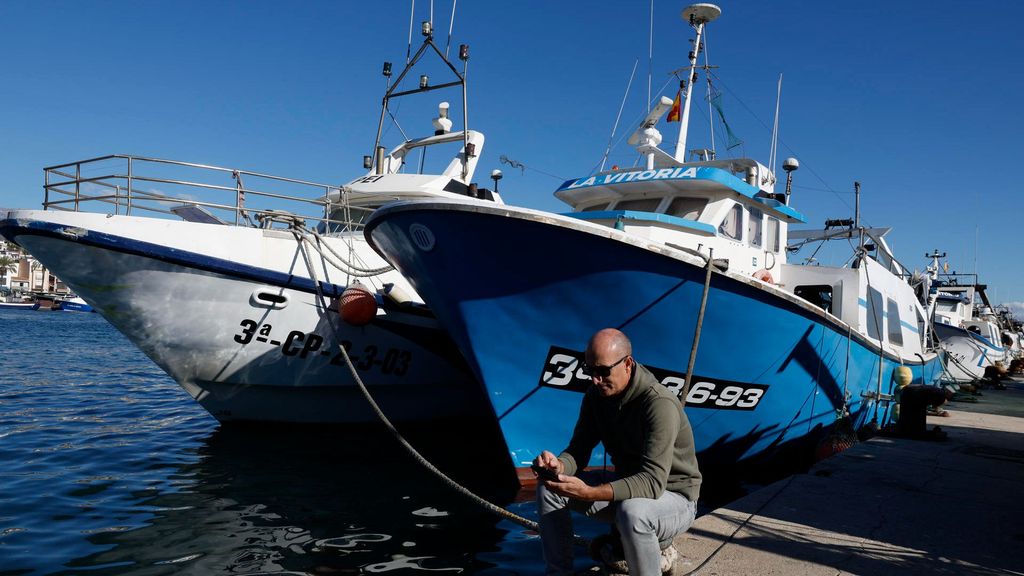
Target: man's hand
x=570 y=486
x=550 y=461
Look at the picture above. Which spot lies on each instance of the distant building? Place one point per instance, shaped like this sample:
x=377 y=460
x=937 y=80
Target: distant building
x=26 y=274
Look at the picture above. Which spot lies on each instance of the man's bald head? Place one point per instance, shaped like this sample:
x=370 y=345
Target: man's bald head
x=609 y=341
x=609 y=356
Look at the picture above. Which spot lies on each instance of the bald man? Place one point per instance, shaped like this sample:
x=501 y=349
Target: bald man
x=653 y=497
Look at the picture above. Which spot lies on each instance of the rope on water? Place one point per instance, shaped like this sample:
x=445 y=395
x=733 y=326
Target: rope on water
x=419 y=458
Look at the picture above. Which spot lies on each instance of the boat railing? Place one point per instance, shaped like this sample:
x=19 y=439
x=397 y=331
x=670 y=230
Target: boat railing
x=126 y=184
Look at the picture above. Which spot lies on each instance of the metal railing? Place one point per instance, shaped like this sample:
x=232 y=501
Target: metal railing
x=199 y=192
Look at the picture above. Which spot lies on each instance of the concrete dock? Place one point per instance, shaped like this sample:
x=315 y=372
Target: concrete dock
x=885 y=506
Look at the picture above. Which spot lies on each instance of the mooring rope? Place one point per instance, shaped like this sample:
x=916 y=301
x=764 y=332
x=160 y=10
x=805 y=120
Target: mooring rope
x=419 y=458
x=698 y=329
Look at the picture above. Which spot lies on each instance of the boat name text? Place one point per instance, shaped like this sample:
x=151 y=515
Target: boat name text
x=634 y=176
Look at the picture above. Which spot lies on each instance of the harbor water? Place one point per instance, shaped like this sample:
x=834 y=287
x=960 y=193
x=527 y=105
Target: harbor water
x=108 y=467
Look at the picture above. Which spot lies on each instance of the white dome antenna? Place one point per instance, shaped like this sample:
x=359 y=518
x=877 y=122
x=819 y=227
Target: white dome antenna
x=442 y=124
x=701 y=13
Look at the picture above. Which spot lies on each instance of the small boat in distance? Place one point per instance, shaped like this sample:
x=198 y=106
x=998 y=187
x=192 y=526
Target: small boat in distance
x=244 y=286
x=73 y=303
x=777 y=356
x=10 y=302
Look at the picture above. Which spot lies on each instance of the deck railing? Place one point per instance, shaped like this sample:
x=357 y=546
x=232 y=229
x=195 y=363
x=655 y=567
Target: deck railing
x=126 y=184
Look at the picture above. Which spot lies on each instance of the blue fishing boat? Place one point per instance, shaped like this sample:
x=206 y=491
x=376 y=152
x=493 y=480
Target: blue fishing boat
x=73 y=304
x=689 y=259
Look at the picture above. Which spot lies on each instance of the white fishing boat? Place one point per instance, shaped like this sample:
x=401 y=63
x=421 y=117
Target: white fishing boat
x=965 y=324
x=779 y=352
x=236 y=283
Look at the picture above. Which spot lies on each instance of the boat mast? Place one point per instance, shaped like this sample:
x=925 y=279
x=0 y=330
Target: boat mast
x=856 y=213
x=697 y=16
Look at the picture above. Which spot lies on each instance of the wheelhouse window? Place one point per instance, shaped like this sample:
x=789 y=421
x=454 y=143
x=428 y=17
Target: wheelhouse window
x=820 y=295
x=772 y=234
x=639 y=204
x=731 y=227
x=874 y=317
x=754 y=225
x=355 y=218
x=687 y=208
x=594 y=206
x=895 y=326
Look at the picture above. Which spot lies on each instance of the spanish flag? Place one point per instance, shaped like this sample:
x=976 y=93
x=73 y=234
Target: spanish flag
x=673 y=114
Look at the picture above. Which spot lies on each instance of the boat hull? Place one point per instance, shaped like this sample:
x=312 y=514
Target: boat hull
x=205 y=320
x=18 y=306
x=968 y=355
x=521 y=291
x=74 y=305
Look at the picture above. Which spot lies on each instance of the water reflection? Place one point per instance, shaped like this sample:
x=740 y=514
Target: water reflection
x=316 y=501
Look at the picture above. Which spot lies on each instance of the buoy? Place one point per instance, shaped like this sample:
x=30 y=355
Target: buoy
x=358 y=306
x=396 y=294
x=903 y=376
x=764 y=276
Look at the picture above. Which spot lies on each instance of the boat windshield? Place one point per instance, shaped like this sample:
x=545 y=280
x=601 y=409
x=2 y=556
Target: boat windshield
x=639 y=204
x=353 y=220
x=687 y=208
x=730 y=227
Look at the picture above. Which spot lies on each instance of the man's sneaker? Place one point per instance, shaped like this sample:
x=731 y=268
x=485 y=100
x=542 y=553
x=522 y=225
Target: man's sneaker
x=669 y=557
x=615 y=564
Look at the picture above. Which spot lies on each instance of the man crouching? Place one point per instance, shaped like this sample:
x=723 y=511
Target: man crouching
x=645 y=431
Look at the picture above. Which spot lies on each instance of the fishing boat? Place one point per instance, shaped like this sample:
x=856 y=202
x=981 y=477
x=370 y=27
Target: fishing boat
x=17 y=303
x=244 y=286
x=72 y=303
x=689 y=259
x=965 y=324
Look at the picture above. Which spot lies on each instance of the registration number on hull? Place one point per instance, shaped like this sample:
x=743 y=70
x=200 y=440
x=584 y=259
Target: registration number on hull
x=563 y=369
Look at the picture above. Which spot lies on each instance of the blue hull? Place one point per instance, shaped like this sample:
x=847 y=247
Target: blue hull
x=521 y=295
x=75 y=307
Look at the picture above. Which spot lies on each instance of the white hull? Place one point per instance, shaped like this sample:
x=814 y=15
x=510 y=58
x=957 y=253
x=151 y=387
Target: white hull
x=188 y=295
x=967 y=356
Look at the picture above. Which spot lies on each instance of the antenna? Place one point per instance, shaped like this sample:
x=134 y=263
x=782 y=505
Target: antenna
x=618 y=117
x=697 y=16
x=790 y=166
x=451 y=26
x=646 y=138
x=650 y=57
x=775 y=132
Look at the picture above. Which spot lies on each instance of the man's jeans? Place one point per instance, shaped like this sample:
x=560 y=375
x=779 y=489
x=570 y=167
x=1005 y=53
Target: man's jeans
x=645 y=526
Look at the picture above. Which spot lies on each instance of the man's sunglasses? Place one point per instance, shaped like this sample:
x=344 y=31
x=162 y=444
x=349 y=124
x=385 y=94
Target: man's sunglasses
x=601 y=371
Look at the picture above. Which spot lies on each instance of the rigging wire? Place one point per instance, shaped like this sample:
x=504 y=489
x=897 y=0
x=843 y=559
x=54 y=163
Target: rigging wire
x=408 y=49
x=803 y=164
x=619 y=115
x=451 y=26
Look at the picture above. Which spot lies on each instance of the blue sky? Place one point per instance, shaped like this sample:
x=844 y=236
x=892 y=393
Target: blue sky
x=919 y=101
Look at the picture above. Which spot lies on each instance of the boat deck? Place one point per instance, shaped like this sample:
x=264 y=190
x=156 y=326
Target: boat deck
x=886 y=506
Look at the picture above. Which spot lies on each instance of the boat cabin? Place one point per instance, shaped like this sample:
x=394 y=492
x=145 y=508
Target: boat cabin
x=729 y=206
